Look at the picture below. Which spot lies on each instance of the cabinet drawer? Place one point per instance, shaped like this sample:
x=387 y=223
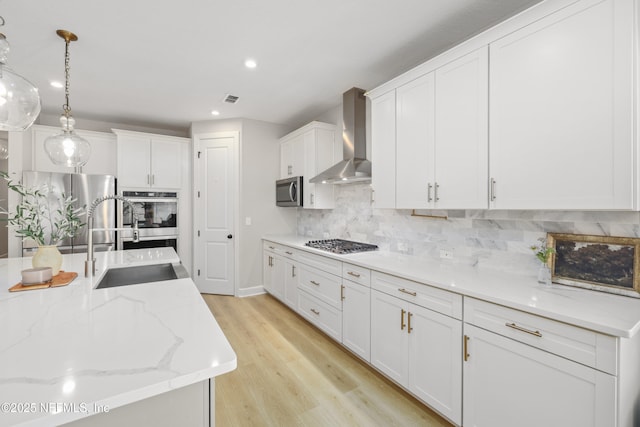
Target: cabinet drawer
x=329 y=265
x=322 y=285
x=356 y=274
x=590 y=348
x=320 y=314
x=277 y=248
x=444 y=302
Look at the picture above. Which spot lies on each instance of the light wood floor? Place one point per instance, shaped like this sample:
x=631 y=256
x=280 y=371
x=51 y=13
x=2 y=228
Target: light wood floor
x=291 y=374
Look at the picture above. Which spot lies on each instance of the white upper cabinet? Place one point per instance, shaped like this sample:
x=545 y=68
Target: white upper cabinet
x=415 y=103
x=102 y=160
x=149 y=161
x=383 y=150
x=561 y=110
x=461 y=133
x=306 y=152
x=292 y=157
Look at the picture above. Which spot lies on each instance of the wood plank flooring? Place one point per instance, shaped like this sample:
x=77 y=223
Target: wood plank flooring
x=291 y=374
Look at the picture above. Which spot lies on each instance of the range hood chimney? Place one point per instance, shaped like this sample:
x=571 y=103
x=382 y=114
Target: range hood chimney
x=355 y=167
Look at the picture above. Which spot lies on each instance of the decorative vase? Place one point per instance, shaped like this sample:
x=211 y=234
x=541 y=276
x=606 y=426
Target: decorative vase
x=544 y=274
x=48 y=256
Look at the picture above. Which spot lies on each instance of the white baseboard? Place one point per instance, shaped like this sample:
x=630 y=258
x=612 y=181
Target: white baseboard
x=249 y=292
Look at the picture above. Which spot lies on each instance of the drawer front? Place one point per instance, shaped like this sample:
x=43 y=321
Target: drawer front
x=320 y=262
x=277 y=248
x=322 y=285
x=444 y=302
x=356 y=274
x=590 y=348
x=320 y=314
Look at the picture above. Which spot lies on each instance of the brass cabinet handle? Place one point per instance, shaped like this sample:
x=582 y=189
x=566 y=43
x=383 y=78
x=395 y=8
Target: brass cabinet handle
x=404 y=291
x=293 y=271
x=341 y=292
x=270 y=263
x=288 y=253
x=525 y=330
x=492 y=189
x=402 y=325
x=314 y=311
x=409 y=328
x=351 y=273
x=429 y=187
x=315 y=283
x=466 y=348
x=435 y=191
x=271 y=247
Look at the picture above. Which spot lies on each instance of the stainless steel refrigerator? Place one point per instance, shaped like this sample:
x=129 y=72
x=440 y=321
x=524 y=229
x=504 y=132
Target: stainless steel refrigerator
x=85 y=189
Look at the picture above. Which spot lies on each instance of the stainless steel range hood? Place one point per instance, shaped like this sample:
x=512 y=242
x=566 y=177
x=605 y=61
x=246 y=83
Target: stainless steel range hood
x=355 y=167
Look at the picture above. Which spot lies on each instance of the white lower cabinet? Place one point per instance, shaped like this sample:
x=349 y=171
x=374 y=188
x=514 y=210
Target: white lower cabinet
x=274 y=274
x=507 y=383
x=420 y=349
x=356 y=318
x=323 y=315
x=509 y=380
x=291 y=284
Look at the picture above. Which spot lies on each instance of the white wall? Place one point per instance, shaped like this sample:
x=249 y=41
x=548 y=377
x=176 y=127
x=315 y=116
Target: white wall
x=259 y=165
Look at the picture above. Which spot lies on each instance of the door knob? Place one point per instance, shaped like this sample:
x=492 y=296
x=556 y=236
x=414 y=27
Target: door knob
x=229 y=236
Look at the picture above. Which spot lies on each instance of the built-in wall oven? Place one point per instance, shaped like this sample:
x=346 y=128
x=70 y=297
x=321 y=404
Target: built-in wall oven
x=157 y=215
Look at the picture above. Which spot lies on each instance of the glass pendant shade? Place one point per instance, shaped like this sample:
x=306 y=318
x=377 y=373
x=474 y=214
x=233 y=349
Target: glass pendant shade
x=67 y=148
x=19 y=98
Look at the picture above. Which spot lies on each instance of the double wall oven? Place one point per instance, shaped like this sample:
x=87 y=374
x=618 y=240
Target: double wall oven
x=157 y=215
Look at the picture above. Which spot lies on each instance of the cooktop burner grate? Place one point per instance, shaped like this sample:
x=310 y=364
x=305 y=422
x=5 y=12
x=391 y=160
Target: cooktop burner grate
x=339 y=246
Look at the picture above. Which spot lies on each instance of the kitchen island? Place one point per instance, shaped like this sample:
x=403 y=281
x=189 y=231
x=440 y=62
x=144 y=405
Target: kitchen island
x=143 y=354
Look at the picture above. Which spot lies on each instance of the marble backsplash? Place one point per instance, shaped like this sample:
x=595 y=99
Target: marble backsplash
x=481 y=238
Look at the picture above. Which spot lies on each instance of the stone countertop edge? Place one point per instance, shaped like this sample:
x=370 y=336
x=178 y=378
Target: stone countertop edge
x=104 y=347
x=609 y=314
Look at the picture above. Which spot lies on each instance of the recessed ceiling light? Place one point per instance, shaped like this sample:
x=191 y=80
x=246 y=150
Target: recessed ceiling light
x=215 y=113
x=56 y=84
x=250 y=63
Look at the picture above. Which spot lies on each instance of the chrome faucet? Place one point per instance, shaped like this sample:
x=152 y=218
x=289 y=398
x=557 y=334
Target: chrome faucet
x=90 y=263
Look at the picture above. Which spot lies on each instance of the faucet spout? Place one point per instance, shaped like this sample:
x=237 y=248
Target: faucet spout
x=90 y=263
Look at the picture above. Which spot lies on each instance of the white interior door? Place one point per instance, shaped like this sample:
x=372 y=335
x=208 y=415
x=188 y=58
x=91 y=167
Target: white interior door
x=215 y=199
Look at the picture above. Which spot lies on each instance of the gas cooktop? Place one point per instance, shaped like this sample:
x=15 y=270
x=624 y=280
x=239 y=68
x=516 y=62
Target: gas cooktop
x=339 y=246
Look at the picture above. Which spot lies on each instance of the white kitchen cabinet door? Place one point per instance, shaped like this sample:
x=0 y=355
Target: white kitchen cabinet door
x=435 y=360
x=134 y=166
x=389 y=338
x=507 y=383
x=461 y=132
x=415 y=136
x=356 y=318
x=318 y=155
x=102 y=160
x=166 y=168
x=292 y=157
x=383 y=150
x=561 y=110
x=291 y=284
x=273 y=274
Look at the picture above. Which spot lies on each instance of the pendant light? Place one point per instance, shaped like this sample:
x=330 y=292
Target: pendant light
x=19 y=98
x=67 y=148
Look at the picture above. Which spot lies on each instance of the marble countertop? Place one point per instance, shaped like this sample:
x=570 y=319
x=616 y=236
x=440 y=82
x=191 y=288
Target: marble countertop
x=67 y=352
x=606 y=313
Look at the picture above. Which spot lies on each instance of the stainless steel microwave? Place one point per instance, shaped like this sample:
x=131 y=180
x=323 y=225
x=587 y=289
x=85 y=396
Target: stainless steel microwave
x=289 y=191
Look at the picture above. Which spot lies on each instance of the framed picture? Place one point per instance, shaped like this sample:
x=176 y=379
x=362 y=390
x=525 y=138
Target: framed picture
x=607 y=264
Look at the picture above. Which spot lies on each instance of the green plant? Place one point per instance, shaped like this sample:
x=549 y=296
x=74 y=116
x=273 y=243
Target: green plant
x=542 y=251
x=44 y=214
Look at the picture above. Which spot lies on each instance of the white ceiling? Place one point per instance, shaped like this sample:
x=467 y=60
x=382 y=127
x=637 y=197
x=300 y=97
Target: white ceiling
x=167 y=63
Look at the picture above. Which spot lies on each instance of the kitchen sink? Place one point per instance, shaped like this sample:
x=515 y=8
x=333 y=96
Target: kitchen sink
x=141 y=274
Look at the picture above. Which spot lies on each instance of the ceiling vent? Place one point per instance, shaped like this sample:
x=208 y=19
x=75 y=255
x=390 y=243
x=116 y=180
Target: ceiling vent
x=231 y=99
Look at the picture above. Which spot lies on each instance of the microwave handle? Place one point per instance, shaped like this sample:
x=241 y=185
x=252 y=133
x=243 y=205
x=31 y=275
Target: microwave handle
x=292 y=191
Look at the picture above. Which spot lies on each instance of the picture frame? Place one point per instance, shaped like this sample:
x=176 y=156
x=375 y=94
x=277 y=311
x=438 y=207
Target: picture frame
x=601 y=263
